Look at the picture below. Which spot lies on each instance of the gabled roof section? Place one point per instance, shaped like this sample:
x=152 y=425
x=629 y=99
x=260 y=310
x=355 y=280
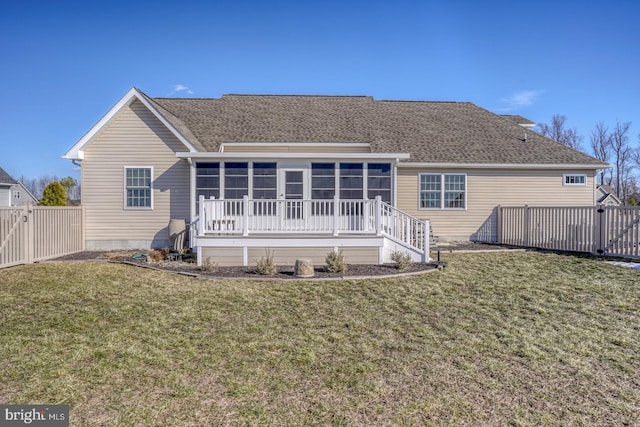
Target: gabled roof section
x=6 y=179
x=168 y=119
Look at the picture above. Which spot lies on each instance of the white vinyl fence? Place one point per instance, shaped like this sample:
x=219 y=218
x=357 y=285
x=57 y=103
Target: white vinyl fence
x=35 y=233
x=604 y=230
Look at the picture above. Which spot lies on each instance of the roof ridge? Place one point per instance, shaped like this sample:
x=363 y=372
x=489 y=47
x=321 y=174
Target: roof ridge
x=425 y=101
x=295 y=95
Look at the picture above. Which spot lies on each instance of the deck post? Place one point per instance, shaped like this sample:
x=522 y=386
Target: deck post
x=378 y=216
x=427 y=238
x=366 y=211
x=202 y=218
x=407 y=231
x=336 y=211
x=245 y=216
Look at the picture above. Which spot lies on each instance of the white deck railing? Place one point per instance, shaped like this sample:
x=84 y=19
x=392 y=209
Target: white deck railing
x=329 y=217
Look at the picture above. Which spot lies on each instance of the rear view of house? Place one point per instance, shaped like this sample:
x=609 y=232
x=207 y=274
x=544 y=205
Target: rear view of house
x=305 y=175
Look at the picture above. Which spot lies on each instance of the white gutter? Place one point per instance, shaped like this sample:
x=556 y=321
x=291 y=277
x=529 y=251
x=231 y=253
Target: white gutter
x=276 y=155
x=500 y=166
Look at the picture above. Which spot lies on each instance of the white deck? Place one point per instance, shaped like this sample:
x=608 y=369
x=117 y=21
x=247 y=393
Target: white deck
x=248 y=223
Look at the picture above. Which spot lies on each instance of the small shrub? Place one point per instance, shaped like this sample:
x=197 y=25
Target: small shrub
x=159 y=255
x=402 y=259
x=335 y=262
x=208 y=265
x=265 y=266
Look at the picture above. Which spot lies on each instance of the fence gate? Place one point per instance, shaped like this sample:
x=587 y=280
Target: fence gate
x=13 y=232
x=35 y=233
x=620 y=231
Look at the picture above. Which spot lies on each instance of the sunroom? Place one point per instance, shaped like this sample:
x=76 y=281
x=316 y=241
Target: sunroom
x=297 y=201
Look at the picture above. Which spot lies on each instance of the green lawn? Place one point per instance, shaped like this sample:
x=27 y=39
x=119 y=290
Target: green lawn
x=495 y=339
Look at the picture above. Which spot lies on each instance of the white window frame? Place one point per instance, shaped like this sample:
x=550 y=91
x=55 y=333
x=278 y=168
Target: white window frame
x=124 y=186
x=442 y=191
x=566 y=176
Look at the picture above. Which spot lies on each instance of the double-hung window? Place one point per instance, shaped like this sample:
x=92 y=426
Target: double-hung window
x=442 y=191
x=138 y=187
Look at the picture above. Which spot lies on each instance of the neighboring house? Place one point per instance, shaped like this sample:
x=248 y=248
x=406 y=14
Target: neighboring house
x=14 y=193
x=606 y=196
x=6 y=185
x=20 y=196
x=301 y=174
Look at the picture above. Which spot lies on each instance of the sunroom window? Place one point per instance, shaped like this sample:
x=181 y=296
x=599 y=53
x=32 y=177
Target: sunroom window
x=351 y=181
x=323 y=181
x=236 y=180
x=379 y=181
x=207 y=180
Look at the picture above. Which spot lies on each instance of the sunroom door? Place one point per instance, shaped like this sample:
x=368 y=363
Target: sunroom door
x=293 y=192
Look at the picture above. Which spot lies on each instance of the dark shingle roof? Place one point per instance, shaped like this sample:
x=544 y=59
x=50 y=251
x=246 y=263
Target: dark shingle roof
x=431 y=132
x=5 y=178
x=518 y=119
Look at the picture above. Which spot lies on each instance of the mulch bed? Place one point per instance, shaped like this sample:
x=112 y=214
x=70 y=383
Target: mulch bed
x=284 y=272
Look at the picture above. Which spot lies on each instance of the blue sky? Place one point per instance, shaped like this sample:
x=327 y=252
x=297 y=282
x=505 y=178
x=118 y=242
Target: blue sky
x=64 y=64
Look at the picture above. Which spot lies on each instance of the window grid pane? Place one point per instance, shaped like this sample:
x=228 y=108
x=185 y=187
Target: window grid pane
x=574 y=179
x=454 y=191
x=430 y=191
x=138 y=187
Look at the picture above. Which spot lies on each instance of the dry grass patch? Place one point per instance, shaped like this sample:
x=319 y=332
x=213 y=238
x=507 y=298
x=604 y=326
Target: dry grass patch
x=505 y=339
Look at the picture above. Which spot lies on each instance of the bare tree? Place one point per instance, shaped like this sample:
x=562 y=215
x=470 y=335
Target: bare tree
x=601 y=146
x=37 y=185
x=623 y=160
x=558 y=131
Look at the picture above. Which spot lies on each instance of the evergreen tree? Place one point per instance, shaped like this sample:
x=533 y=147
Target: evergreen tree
x=54 y=195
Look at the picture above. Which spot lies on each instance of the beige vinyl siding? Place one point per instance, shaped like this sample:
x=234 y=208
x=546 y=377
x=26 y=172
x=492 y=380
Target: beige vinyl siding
x=274 y=148
x=134 y=137
x=487 y=189
x=361 y=255
x=288 y=255
x=223 y=256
